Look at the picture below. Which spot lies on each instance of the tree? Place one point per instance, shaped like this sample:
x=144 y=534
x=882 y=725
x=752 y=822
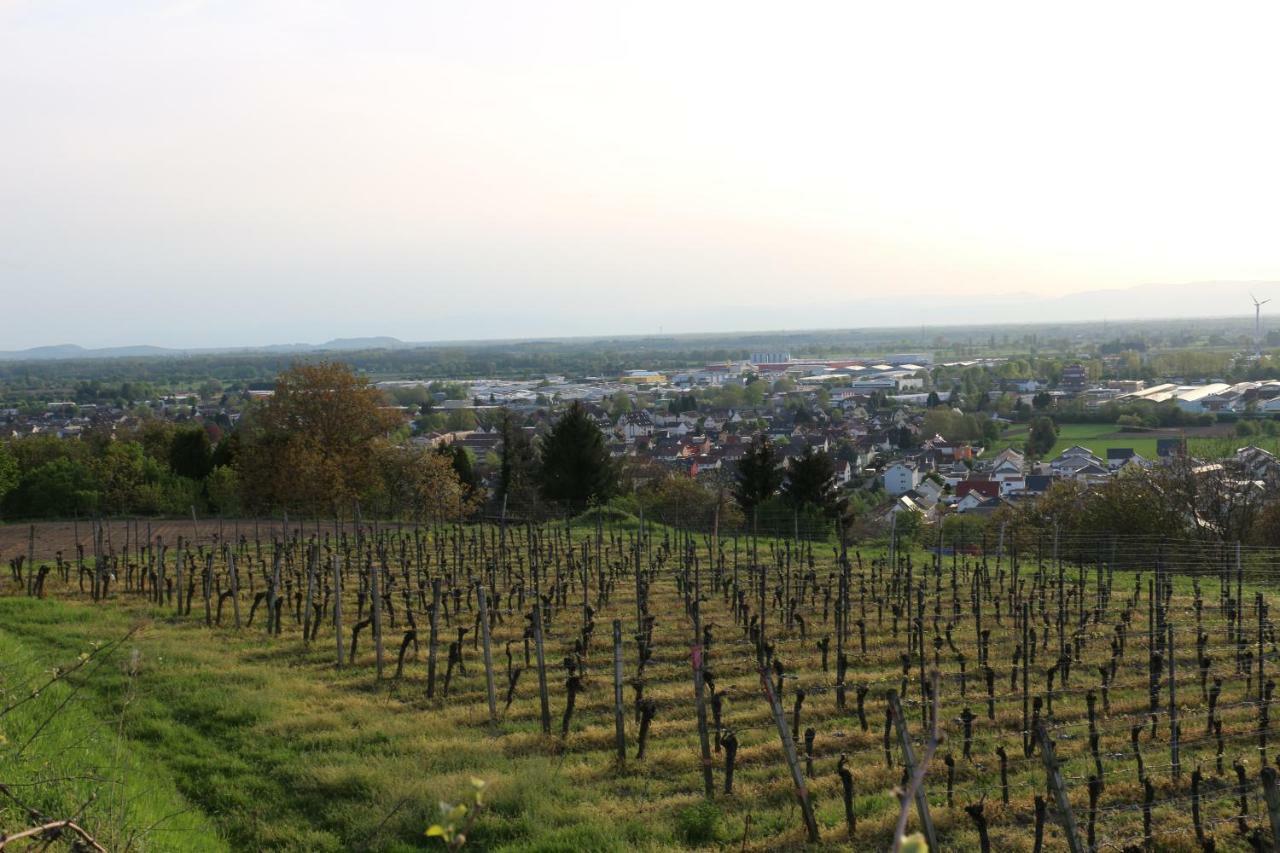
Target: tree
x=620 y=404
x=1043 y=436
x=419 y=484
x=683 y=500
x=120 y=470
x=517 y=468
x=190 y=453
x=759 y=474
x=8 y=471
x=933 y=401
x=1042 y=400
x=811 y=482
x=312 y=444
x=222 y=487
x=460 y=420
x=460 y=458
x=575 y=467
x=60 y=487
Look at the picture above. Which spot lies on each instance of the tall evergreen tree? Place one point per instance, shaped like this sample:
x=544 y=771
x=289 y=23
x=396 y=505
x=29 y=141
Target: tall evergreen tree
x=518 y=467
x=575 y=467
x=811 y=482
x=759 y=474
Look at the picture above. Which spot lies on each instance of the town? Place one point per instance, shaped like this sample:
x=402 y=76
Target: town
x=904 y=432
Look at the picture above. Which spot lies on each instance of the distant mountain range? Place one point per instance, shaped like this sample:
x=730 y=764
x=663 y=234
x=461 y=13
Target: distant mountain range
x=73 y=351
x=1197 y=300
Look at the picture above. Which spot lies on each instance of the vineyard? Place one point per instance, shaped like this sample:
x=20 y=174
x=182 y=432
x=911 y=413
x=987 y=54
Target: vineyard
x=620 y=684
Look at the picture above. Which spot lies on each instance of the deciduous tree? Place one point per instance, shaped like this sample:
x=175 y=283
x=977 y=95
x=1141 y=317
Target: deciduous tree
x=311 y=446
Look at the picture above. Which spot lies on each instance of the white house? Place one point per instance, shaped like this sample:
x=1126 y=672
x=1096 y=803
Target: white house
x=900 y=478
x=632 y=425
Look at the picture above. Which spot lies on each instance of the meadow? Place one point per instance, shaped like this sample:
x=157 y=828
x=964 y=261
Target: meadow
x=1211 y=442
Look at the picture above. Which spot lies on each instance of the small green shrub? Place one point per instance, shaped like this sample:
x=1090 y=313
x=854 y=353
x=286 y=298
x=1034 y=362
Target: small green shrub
x=698 y=824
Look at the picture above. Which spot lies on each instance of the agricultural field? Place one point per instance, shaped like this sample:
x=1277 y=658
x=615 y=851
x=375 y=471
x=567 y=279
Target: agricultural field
x=327 y=689
x=1213 y=441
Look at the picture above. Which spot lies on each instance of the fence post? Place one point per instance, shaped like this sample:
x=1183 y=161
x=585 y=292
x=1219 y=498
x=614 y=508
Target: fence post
x=708 y=783
x=235 y=586
x=1174 y=751
x=181 y=572
x=619 y=730
x=1272 y=792
x=1054 y=774
x=909 y=764
x=789 y=753
x=337 y=608
x=375 y=593
x=542 y=668
x=488 y=653
x=433 y=643
x=313 y=556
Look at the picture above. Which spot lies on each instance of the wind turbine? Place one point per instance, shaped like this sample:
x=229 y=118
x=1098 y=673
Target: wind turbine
x=1257 y=325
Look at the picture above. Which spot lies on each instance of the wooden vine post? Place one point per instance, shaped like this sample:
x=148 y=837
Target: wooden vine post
x=1271 y=790
x=375 y=593
x=699 y=689
x=619 y=729
x=789 y=752
x=488 y=653
x=337 y=608
x=433 y=641
x=543 y=698
x=909 y=765
x=1059 y=788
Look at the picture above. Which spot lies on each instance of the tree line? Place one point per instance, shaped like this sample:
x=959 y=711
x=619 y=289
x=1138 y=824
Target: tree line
x=325 y=442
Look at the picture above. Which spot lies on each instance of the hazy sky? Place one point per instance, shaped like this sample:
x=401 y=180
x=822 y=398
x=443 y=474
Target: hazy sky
x=206 y=173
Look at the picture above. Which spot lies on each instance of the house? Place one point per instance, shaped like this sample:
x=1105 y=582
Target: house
x=1072 y=459
x=971 y=500
x=985 y=507
x=900 y=478
x=1170 y=447
x=908 y=502
x=633 y=425
x=1258 y=465
x=949 y=449
x=931 y=489
x=844 y=473
x=1036 y=484
x=1090 y=474
x=1007 y=462
x=983 y=489
x=1021 y=386
x=1117 y=457
x=1075 y=378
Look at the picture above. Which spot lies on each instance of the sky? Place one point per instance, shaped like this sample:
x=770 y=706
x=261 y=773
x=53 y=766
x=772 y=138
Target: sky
x=228 y=172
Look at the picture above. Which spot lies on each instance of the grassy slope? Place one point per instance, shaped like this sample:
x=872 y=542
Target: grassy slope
x=259 y=747
x=62 y=750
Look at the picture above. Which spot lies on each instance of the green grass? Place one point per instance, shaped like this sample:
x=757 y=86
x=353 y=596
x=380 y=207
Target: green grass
x=1099 y=437
x=66 y=750
x=221 y=742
